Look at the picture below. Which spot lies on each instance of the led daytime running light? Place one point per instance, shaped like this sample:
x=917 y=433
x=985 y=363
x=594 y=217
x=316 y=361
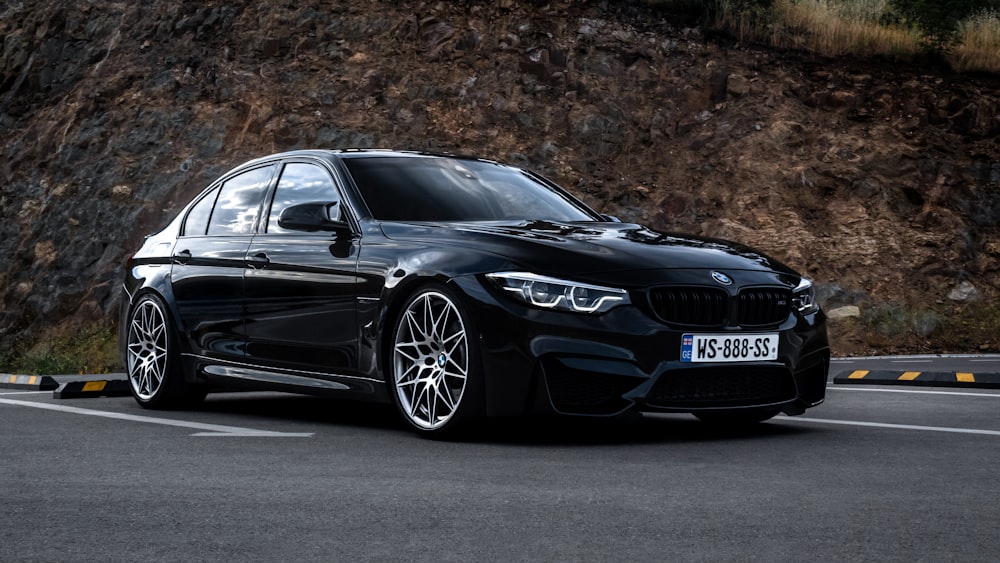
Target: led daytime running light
x=552 y=293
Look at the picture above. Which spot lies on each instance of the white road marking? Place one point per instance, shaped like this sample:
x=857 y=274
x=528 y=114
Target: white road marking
x=887 y=425
x=209 y=429
x=911 y=361
x=23 y=392
x=912 y=391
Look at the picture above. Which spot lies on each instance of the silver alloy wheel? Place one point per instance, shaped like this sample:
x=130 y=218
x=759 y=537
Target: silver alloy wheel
x=147 y=349
x=430 y=360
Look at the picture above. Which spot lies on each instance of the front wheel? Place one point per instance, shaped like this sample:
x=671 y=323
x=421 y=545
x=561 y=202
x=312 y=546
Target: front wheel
x=435 y=380
x=154 y=373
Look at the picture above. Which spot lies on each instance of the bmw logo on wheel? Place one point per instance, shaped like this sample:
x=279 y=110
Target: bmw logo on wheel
x=722 y=278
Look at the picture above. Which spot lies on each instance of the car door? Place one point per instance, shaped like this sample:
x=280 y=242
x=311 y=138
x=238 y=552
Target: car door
x=209 y=261
x=300 y=286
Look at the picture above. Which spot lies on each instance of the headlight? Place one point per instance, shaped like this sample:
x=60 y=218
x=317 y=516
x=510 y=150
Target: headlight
x=561 y=295
x=804 y=297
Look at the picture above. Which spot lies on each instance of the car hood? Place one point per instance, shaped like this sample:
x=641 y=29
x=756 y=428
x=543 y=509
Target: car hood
x=588 y=248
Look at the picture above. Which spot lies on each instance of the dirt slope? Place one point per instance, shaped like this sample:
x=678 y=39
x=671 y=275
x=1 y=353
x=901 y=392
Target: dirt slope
x=881 y=182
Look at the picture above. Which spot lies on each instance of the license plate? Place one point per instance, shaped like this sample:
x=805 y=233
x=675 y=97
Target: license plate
x=729 y=347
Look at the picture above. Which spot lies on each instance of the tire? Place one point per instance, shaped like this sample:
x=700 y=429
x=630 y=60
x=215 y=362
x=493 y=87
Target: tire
x=153 y=364
x=738 y=418
x=434 y=376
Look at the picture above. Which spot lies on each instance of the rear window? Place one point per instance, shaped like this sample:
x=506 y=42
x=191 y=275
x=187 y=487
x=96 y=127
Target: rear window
x=448 y=189
x=238 y=205
x=197 y=219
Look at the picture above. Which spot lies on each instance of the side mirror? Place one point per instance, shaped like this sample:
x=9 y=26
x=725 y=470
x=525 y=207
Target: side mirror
x=313 y=216
x=611 y=219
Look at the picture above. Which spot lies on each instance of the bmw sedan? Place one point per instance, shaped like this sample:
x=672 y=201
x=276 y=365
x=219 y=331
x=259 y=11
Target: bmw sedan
x=455 y=289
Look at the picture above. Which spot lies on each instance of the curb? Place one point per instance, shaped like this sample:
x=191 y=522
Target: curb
x=920 y=378
x=97 y=388
x=28 y=382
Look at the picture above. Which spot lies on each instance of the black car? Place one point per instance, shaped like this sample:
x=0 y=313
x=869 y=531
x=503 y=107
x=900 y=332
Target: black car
x=457 y=288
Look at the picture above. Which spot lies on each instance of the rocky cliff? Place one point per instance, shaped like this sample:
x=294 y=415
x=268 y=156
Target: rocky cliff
x=880 y=181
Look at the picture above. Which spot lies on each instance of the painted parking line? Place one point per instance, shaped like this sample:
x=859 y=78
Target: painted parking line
x=859 y=389
x=207 y=429
x=799 y=419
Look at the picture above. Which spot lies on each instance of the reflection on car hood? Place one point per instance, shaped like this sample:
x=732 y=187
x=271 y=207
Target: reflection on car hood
x=590 y=247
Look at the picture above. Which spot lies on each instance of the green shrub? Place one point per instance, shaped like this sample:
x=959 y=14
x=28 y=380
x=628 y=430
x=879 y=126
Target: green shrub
x=937 y=21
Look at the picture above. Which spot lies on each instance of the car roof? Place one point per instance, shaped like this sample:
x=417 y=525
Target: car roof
x=329 y=154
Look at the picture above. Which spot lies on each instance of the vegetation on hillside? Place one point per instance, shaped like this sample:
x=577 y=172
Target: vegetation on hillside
x=91 y=349
x=963 y=33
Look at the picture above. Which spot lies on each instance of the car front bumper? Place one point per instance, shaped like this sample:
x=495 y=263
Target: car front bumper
x=537 y=361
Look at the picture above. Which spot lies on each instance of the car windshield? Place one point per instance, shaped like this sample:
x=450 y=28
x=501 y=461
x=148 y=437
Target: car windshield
x=448 y=189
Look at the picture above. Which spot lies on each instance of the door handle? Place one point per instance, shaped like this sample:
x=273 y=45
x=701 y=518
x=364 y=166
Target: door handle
x=258 y=261
x=182 y=257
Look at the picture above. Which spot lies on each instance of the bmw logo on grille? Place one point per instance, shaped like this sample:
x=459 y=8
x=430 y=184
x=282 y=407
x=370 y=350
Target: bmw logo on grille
x=722 y=278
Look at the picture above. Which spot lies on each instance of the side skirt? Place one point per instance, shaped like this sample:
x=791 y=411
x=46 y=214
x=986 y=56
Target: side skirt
x=232 y=374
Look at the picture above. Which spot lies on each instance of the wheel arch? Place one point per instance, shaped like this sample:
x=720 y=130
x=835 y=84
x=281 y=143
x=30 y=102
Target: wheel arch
x=163 y=293
x=421 y=266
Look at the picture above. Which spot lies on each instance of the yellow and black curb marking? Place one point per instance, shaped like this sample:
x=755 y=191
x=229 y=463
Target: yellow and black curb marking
x=28 y=382
x=67 y=389
x=925 y=378
x=101 y=388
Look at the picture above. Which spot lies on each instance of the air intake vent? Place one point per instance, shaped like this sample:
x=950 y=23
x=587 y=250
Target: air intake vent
x=722 y=387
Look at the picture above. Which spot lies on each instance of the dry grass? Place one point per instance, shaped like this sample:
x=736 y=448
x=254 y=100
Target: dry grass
x=858 y=28
x=980 y=44
x=833 y=28
x=67 y=351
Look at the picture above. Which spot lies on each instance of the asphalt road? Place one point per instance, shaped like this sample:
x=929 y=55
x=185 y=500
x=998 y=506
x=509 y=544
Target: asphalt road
x=876 y=473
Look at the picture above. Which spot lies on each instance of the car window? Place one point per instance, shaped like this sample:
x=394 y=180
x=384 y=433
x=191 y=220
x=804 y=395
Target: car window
x=196 y=223
x=239 y=202
x=300 y=183
x=448 y=189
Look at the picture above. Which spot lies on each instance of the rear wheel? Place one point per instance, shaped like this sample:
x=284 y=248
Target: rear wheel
x=154 y=373
x=435 y=380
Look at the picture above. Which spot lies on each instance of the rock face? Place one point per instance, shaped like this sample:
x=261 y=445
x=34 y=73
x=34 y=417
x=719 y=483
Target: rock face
x=883 y=181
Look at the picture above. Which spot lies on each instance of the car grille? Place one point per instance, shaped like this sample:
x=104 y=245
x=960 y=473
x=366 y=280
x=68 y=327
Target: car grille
x=722 y=387
x=701 y=306
x=763 y=306
x=708 y=306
